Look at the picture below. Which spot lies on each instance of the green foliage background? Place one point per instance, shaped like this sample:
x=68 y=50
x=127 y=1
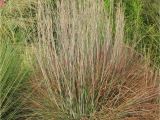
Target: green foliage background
x=141 y=26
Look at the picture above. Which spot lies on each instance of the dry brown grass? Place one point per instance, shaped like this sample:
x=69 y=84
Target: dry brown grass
x=88 y=73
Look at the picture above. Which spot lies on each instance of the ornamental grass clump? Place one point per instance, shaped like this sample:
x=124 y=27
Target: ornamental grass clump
x=86 y=72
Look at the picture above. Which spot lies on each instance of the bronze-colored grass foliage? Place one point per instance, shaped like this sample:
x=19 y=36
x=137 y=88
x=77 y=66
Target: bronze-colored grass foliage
x=85 y=71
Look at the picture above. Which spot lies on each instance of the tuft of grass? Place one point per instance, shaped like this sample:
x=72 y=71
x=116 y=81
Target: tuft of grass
x=12 y=78
x=16 y=29
x=86 y=71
